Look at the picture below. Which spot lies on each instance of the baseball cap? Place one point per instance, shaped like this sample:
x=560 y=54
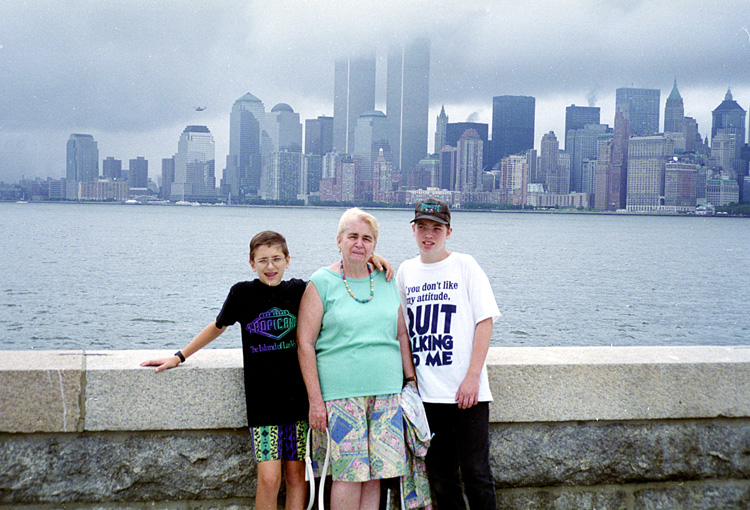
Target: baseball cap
x=432 y=209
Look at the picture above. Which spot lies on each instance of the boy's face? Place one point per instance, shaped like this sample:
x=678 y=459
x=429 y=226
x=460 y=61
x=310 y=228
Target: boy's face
x=269 y=262
x=431 y=236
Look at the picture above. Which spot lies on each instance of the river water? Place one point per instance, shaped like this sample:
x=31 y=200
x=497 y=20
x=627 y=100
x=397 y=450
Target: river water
x=105 y=276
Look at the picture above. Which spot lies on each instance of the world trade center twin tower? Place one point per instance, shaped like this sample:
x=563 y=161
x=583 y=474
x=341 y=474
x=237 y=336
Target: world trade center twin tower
x=402 y=131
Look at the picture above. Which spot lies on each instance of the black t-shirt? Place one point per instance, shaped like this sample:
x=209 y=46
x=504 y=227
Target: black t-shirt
x=274 y=388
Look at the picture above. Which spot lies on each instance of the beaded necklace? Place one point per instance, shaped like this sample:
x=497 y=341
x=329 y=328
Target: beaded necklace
x=372 y=285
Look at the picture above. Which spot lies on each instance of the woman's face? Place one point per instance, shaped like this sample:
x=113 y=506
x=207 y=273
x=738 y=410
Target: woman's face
x=356 y=242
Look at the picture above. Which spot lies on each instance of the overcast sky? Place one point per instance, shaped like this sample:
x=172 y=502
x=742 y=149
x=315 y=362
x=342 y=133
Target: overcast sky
x=132 y=72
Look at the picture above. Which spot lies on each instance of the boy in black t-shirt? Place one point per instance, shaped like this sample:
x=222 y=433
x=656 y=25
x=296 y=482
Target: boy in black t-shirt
x=266 y=308
x=277 y=405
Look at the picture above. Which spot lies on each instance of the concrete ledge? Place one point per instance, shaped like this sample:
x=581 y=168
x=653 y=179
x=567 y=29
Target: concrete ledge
x=66 y=391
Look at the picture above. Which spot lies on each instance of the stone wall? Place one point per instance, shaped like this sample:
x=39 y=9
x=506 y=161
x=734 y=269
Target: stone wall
x=624 y=428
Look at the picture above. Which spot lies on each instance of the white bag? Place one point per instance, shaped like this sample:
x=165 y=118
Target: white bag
x=310 y=472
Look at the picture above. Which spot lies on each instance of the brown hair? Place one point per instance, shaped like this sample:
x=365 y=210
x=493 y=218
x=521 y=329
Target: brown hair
x=268 y=238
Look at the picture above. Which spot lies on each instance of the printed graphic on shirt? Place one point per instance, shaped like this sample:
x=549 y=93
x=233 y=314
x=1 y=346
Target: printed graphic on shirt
x=429 y=320
x=274 y=324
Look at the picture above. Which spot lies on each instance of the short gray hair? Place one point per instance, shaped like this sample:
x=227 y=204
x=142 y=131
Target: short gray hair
x=357 y=214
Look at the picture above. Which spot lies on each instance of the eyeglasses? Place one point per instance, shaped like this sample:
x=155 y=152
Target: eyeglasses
x=276 y=261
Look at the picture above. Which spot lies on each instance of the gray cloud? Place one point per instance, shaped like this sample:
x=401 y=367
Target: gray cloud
x=131 y=72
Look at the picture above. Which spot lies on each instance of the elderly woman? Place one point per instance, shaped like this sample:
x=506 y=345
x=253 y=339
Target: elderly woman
x=354 y=366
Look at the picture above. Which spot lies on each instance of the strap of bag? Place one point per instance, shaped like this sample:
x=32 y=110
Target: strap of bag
x=310 y=473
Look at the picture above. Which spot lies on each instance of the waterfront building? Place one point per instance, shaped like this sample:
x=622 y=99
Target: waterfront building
x=382 y=179
x=138 y=173
x=641 y=109
x=319 y=135
x=312 y=169
x=693 y=140
x=680 y=179
x=548 y=159
x=617 y=179
x=728 y=137
x=576 y=117
x=602 y=174
x=285 y=180
x=242 y=174
x=424 y=174
x=167 y=177
x=353 y=94
x=554 y=200
x=330 y=164
x=447 y=168
x=408 y=101
x=512 y=126
x=722 y=191
x=581 y=144
x=194 y=166
x=102 y=190
x=284 y=129
x=647 y=157
x=674 y=111
x=82 y=162
x=112 y=168
x=441 y=126
x=371 y=135
x=532 y=161
x=469 y=162
x=513 y=178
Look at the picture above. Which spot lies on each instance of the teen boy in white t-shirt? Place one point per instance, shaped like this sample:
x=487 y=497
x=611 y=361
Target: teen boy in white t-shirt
x=449 y=310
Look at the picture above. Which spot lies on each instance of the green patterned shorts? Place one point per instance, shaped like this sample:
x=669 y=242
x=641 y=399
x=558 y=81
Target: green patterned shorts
x=279 y=442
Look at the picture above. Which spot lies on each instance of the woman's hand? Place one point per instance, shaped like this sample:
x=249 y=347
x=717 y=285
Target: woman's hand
x=162 y=363
x=318 y=416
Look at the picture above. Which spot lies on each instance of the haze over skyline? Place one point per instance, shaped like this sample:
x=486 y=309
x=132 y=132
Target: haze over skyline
x=132 y=73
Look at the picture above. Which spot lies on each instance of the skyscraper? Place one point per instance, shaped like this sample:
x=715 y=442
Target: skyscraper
x=138 y=173
x=243 y=171
x=728 y=129
x=455 y=130
x=284 y=129
x=371 y=135
x=194 y=177
x=576 y=117
x=441 y=126
x=548 y=159
x=408 y=101
x=353 y=94
x=647 y=158
x=581 y=144
x=319 y=135
x=617 y=179
x=112 y=168
x=512 y=126
x=674 y=111
x=285 y=179
x=641 y=108
x=83 y=158
x=469 y=162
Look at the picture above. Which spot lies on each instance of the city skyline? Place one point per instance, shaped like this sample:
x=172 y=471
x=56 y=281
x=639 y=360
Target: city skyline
x=131 y=84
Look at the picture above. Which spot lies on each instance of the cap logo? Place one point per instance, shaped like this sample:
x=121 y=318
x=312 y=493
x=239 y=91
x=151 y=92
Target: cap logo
x=429 y=208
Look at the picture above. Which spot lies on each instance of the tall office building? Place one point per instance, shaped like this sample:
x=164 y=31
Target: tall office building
x=244 y=162
x=112 y=168
x=138 y=173
x=284 y=129
x=576 y=117
x=447 y=168
x=514 y=176
x=167 y=177
x=680 y=185
x=674 y=111
x=455 y=130
x=353 y=94
x=617 y=179
x=408 y=101
x=370 y=136
x=548 y=159
x=319 y=135
x=382 y=178
x=83 y=158
x=194 y=177
x=285 y=180
x=441 y=126
x=641 y=108
x=728 y=128
x=582 y=145
x=512 y=126
x=469 y=162
x=647 y=159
